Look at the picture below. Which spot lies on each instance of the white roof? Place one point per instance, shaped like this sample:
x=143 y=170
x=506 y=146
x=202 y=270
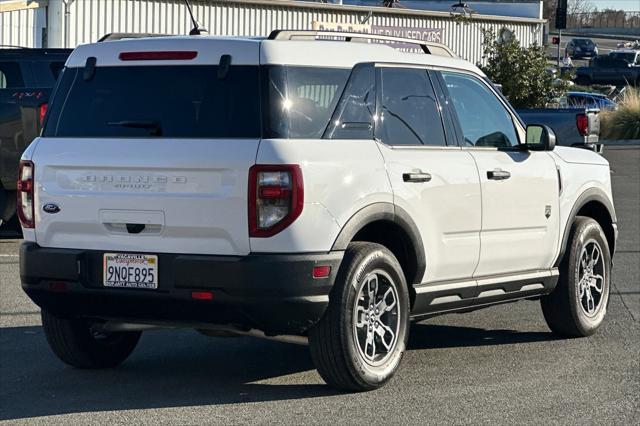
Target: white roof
x=254 y=51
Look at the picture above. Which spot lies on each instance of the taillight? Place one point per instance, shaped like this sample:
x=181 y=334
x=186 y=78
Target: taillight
x=276 y=198
x=42 y=112
x=582 y=122
x=25 y=194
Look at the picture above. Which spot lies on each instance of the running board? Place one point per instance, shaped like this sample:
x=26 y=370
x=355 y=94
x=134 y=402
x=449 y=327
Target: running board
x=448 y=296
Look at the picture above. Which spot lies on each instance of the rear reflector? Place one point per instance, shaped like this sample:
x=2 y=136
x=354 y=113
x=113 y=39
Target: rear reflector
x=321 y=271
x=58 y=286
x=202 y=295
x=158 y=56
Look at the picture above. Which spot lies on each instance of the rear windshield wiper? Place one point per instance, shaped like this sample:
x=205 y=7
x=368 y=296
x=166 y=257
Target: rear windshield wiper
x=153 y=126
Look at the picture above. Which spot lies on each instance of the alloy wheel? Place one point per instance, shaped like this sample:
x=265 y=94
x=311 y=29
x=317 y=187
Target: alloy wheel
x=591 y=278
x=376 y=317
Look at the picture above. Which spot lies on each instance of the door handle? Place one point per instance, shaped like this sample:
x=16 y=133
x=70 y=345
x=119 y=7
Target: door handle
x=498 y=174
x=416 y=177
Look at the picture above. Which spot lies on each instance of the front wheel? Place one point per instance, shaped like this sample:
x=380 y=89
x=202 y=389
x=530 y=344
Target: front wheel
x=578 y=305
x=360 y=341
x=81 y=344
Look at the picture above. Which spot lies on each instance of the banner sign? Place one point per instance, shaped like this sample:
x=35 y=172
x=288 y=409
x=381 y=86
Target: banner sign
x=335 y=26
x=434 y=35
x=425 y=34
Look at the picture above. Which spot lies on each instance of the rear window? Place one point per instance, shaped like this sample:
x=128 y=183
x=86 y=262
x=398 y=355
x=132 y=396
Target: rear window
x=10 y=75
x=626 y=56
x=157 y=101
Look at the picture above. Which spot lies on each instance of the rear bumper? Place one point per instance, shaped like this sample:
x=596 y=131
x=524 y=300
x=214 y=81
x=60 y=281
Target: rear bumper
x=271 y=292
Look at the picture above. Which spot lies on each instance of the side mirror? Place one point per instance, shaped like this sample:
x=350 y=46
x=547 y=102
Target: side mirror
x=540 y=138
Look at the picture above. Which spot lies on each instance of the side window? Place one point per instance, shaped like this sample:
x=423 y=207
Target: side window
x=354 y=117
x=483 y=118
x=409 y=111
x=10 y=75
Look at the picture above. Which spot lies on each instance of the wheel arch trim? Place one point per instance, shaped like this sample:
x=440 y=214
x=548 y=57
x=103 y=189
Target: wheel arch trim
x=591 y=194
x=385 y=212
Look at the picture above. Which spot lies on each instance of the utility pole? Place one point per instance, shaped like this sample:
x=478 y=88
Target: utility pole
x=558 y=55
x=561 y=23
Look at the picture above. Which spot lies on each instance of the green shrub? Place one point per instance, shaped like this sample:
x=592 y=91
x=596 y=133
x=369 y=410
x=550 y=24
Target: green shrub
x=624 y=122
x=522 y=71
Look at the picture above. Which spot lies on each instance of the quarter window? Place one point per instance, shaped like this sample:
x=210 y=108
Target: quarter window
x=299 y=101
x=483 y=118
x=410 y=114
x=354 y=117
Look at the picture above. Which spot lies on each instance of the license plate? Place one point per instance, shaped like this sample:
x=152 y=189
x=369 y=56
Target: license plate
x=130 y=270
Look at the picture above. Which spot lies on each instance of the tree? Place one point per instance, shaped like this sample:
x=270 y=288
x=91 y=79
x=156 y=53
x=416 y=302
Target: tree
x=522 y=71
x=575 y=7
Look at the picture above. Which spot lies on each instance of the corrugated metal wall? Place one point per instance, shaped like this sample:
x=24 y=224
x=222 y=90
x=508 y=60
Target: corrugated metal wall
x=91 y=19
x=18 y=28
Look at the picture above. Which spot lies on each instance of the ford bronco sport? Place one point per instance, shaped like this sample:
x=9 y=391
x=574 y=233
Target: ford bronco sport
x=301 y=189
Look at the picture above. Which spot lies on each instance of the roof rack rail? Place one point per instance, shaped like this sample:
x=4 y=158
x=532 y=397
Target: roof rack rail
x=428 y=47
x=122 y=36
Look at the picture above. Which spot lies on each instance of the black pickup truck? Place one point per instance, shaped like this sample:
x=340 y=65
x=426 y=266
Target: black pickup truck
x=606 y=69
x=27 y=77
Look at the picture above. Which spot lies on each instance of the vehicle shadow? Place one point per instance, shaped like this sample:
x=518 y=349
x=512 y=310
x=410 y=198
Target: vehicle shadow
x=184 y=368
x=429 y=336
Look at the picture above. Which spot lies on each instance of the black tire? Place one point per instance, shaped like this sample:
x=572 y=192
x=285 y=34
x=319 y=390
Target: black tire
x=565 y=311
x=76 y=344
x=335 y=350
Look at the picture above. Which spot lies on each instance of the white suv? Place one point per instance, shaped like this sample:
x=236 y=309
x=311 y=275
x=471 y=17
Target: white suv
x=301 y=189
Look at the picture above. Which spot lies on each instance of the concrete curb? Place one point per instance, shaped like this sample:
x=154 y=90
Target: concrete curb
x=620 y=142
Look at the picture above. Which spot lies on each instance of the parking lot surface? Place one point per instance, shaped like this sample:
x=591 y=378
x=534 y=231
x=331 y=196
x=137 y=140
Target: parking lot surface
x=497 y=365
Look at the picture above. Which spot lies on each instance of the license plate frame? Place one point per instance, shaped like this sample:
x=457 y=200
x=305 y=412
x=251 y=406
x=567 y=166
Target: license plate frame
x=123 y=271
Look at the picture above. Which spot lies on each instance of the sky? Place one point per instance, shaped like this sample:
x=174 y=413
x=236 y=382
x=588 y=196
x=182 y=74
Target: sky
x=617 y=4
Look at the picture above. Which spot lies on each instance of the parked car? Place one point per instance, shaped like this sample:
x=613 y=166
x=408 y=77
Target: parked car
x=323 y=192
x=579 y=48
x=608 y=70
x=632 y=56
x=26 y=79
x=576 y=127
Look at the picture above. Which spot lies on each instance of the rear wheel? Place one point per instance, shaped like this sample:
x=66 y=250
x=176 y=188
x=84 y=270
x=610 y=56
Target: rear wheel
x=360 y=341
x=81 y=344
x=578 y=305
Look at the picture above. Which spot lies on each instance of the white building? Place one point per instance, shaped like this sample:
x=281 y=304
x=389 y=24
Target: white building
x=67 y=23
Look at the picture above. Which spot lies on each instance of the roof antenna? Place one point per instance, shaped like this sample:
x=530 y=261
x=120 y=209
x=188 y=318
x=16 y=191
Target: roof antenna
x=196 y=30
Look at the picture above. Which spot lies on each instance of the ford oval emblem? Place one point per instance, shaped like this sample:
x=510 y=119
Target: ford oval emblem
x=51 y=208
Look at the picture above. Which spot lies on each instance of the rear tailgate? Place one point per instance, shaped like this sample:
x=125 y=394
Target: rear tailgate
x=150 y=155
x=190 y=195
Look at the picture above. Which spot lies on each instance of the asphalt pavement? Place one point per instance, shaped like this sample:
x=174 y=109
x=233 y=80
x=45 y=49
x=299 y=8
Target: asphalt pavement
x=497 y=365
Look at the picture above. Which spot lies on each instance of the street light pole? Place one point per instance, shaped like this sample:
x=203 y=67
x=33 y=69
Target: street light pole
x=558 y=54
